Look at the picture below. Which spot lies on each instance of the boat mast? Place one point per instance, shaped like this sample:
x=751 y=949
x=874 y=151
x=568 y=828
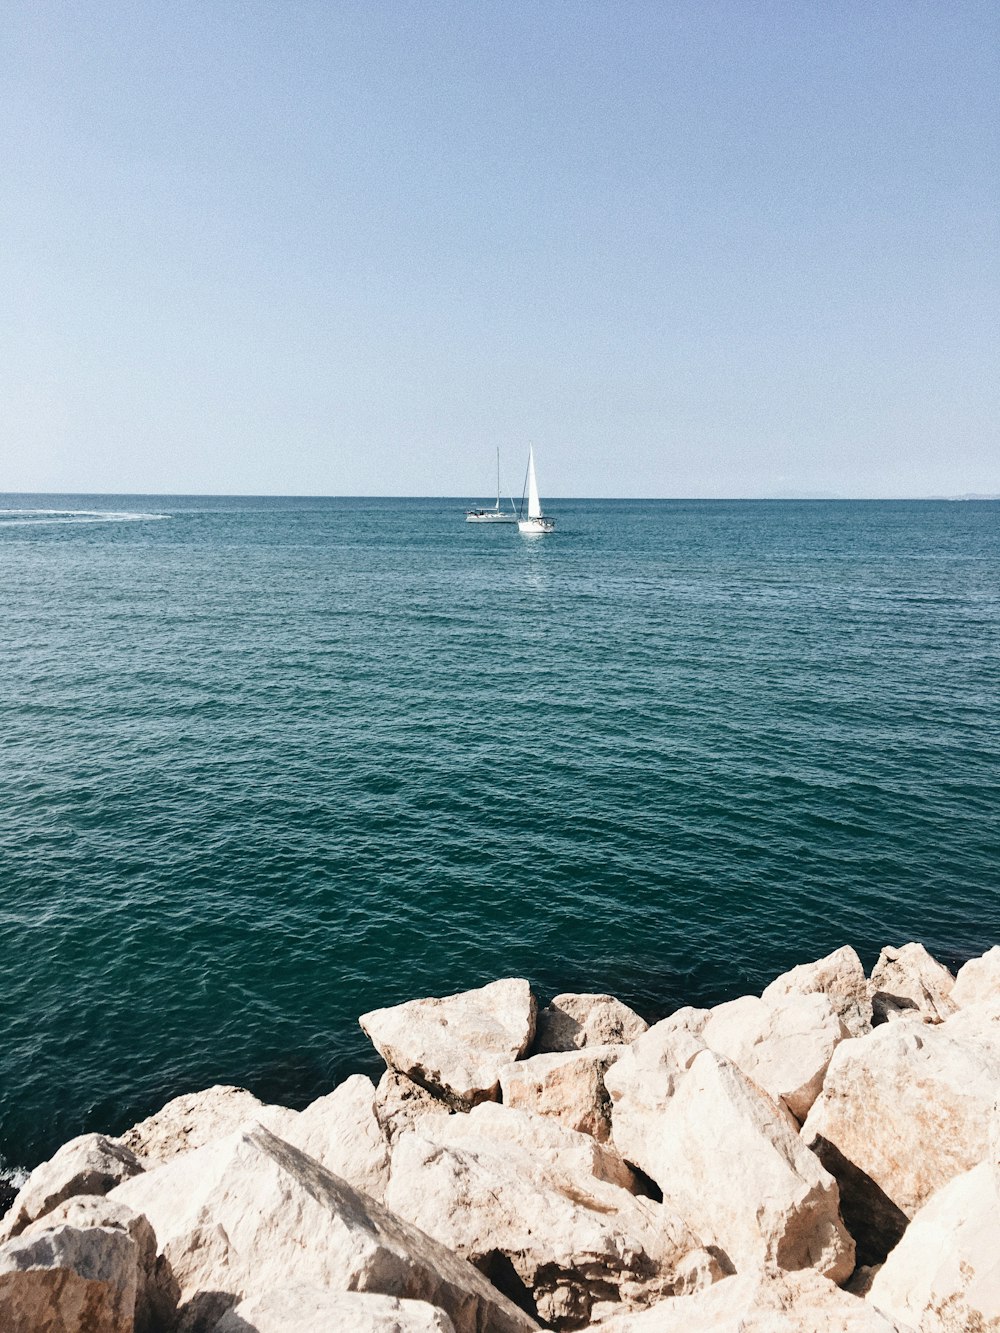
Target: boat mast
x=498 y=479
x=534 y=503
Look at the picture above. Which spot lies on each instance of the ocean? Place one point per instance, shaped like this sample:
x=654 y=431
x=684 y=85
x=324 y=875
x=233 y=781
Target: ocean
x=269 y=763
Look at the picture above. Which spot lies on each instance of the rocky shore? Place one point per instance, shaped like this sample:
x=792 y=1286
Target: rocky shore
x=823 y=1157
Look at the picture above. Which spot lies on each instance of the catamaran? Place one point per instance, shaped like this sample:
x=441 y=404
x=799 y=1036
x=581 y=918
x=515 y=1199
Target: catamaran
x=495 y=515
x=536 y=521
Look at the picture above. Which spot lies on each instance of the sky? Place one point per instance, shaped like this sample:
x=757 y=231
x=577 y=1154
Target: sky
x=352 y=247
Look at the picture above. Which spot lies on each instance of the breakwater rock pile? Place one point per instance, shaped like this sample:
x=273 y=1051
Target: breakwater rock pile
x=824 y=1156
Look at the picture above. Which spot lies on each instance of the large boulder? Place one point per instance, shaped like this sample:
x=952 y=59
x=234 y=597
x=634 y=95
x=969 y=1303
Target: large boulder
x=342 y=1133
x=575 y=1156
x=839 y=976
x=68 y=1279
x=519 y=1202
x=760 y=1302
x=908 y=982
x=571 y=1022
x=784 y=1043
x=312 y=1310
x=978 y=980
x=457 y=1045
x=944 y=1275
x=399 y=1102
x=90 y=1164
x=901 y=1113
x=567 y=1085
x=155 y=1298
x=249 y=1213
x=196 y=1118
x=977 y=1028
x=726 y=1157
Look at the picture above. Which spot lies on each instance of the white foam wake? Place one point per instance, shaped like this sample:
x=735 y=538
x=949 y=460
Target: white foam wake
x=14 y=518
x=14 y=1176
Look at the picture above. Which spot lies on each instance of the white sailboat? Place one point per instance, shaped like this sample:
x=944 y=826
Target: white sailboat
x=495 y=515
x=536 y=521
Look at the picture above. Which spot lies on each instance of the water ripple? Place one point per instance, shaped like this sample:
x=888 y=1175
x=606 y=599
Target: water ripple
x=276 y=762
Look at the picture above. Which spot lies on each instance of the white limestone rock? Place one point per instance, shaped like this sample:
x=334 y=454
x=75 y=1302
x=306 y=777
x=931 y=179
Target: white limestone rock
x=579 y=1245
x=155 y=1297
x=944 y=1275
x=342 y=1133
x=399 y=1102
x=977 y=1028
x=646 y=1076
x=571 y=1022
x=249 y=1213
x=567 y=1085
x=574 y=1156
x=783 y=1043
x=841 y=977
x=978 y=980
x=901 y=1113
x=312 y=1310
x=725 y=1156
x=909 y=983
x=90 y=1164
x=196 y=1118
x=68 y=1279
x=760 y=1302
x=458 y=1044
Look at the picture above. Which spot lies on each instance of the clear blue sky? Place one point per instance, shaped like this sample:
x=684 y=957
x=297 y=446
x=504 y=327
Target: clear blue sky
x=686 y=248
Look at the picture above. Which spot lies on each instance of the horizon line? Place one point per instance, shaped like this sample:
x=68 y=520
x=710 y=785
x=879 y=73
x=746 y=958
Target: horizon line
x=789 y=497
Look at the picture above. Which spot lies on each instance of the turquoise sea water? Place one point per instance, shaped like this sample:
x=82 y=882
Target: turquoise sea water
x=270 y=763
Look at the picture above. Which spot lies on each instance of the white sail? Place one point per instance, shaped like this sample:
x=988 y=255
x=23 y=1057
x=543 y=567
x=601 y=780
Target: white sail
x=534 y=522
x=534 y=503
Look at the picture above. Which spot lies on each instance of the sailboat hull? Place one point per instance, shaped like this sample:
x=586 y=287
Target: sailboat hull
x=496 y=514
x=536 y=525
